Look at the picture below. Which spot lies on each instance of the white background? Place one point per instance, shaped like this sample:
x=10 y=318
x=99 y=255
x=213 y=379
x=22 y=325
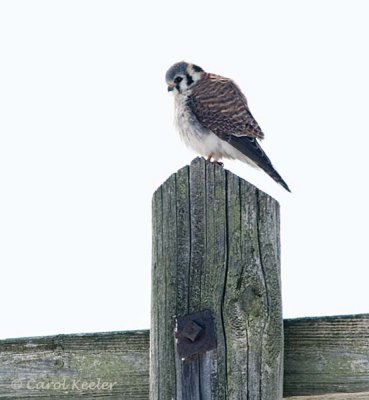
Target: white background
x=87 y=135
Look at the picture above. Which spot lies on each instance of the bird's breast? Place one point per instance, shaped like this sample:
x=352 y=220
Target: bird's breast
x=190 y=129
x=199 y=138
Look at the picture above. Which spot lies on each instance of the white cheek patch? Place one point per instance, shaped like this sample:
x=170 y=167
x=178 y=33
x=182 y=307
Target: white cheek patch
x=183 y=85
x=196 y=76
x=187 y=82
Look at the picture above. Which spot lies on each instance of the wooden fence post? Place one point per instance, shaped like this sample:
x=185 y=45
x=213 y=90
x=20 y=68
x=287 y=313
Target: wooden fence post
x=216 y=247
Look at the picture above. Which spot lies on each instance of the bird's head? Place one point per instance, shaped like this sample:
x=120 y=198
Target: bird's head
x=181 y=76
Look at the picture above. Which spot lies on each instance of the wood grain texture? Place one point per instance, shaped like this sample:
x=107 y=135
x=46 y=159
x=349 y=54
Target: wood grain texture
x=123 y=357
x=88 y=366
x=333 y=396
x=216 y=247
x=326 y=355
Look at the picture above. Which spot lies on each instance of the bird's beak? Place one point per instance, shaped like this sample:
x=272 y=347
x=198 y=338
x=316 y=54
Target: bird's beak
x=170 y=88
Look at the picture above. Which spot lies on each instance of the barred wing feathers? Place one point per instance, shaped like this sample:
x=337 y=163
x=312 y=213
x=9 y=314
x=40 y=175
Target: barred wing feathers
x=221 y=107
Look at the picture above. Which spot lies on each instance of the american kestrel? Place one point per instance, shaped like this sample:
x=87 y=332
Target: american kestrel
x=213 y=118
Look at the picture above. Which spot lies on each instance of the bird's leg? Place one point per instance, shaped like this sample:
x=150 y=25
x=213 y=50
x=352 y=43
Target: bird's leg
x=214 y=161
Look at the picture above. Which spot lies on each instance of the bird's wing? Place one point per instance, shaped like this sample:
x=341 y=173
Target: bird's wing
x=251 y=148
x=220 y=106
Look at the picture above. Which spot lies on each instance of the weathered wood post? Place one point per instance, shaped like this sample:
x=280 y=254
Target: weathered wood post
x=216 y=247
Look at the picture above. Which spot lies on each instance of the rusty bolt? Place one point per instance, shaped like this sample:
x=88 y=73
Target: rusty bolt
x=191 y=330
x=195 y=334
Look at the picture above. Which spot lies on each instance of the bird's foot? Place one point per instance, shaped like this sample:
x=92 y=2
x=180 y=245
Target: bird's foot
x=214 y=161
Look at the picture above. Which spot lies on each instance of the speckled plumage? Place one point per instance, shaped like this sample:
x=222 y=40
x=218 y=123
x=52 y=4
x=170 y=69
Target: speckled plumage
x=213 y=118
x=223 y=107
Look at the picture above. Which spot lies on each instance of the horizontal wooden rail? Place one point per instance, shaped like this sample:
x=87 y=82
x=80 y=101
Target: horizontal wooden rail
x=333 y=396
x=326 y=355
x=326 y=358
x=89 y=366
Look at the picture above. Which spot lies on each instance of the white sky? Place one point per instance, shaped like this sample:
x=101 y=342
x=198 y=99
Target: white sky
x=87 y=135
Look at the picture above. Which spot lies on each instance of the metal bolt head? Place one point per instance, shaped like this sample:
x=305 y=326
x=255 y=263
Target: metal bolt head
x=192 y=330
x=195 y=334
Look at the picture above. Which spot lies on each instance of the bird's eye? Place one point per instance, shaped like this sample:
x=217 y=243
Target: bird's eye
x=178 y=79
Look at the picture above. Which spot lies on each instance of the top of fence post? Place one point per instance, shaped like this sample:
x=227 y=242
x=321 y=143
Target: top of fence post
x=216 y=248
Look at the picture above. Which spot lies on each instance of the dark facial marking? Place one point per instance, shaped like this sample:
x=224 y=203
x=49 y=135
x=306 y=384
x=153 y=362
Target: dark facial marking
x=196 y=68
x=189 y=79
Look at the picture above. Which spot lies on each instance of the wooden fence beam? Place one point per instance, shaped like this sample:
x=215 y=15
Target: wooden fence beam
x=216 y=247
x=326 y=355
x=112 y=365
x=331 y=351
x=333 y=396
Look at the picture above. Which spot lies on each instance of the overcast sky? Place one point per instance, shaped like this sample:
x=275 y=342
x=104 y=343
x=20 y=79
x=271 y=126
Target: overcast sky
x=87 y=135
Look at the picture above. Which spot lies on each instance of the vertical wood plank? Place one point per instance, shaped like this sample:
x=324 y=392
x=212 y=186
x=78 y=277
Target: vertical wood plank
x=218 y=249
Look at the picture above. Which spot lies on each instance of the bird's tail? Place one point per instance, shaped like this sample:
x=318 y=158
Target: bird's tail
x=251 y=149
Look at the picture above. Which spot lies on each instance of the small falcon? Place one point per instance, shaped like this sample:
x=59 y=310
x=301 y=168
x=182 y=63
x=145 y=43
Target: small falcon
x=213 y=118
